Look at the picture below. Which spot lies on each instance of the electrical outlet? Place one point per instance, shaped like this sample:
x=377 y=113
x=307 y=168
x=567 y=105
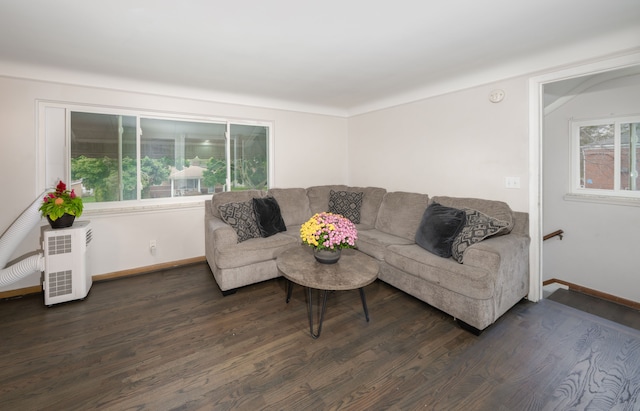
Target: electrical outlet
x=512 y=182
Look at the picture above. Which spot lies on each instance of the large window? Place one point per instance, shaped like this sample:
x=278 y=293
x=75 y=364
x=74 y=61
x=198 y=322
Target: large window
x=122 y=157
x=606 y=157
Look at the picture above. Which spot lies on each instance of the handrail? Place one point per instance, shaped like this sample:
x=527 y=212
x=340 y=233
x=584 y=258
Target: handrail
x=557 y=233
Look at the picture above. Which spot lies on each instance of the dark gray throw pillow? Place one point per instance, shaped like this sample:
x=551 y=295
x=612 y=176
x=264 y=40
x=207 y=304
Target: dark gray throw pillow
x=268 y=216
x=242 y=218
x=440 y=225
x=346 y=203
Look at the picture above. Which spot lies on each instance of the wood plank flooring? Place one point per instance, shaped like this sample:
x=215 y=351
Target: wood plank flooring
x=602 y=308
x=169 y=341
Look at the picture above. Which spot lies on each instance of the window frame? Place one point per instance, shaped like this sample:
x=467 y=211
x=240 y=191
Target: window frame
x=615 y=195
x=54 y=143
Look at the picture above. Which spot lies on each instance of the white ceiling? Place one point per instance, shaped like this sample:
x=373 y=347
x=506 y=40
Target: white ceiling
x=340 y=55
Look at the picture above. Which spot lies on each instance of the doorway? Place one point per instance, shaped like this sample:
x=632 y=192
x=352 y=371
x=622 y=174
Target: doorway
x=569 y=79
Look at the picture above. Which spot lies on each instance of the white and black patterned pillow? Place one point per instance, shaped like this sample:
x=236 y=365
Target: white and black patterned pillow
x=242 y=218
x=346 y=203
x=477 y=228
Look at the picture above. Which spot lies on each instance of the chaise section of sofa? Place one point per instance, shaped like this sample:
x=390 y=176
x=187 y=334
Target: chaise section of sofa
x=493 y=276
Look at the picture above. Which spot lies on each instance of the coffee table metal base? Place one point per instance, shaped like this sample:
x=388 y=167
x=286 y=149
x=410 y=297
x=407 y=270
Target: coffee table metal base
x=323 y=296
x=353 y=270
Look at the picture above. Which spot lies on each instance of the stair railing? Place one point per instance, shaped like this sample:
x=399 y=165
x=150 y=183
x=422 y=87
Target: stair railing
x=557 y=233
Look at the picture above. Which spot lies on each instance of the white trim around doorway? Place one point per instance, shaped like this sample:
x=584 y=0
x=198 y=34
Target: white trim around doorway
x=536 y=116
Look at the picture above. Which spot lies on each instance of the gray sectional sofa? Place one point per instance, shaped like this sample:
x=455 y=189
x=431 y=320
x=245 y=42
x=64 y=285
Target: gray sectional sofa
x=490 y=278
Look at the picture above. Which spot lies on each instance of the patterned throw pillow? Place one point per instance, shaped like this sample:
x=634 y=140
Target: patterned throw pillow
x=242 y=218
x=346 y=203
x=477 y=228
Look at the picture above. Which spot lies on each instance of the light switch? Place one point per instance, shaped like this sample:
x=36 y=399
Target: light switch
x=512 y=182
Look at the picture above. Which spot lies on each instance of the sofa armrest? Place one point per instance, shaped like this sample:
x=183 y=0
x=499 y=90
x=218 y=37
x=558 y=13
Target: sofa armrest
x=220 y=233
x=493 y=252
x=507 y=259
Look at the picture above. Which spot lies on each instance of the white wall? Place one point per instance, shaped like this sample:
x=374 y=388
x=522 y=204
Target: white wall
x=121 y=241
x=457 y=144
x=600 y=246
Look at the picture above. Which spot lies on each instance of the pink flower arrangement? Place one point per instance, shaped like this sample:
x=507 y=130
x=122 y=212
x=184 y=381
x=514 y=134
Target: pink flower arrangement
x=328 y=231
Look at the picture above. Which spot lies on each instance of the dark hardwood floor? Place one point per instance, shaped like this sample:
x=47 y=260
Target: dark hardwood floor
x=169 y=341
x=597 y=306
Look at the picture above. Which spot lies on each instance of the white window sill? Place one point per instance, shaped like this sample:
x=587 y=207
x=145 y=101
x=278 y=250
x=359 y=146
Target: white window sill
x=146 y=206
x=612 y=200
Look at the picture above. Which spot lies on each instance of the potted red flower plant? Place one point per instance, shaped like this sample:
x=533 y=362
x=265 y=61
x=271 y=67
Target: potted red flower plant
x=61 y=206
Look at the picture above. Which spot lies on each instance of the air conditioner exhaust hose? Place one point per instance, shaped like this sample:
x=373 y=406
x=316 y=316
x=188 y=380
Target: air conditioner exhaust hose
x=10 y=240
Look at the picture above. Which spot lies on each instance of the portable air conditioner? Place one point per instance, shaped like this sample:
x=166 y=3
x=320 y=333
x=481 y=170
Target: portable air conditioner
x=65 y=256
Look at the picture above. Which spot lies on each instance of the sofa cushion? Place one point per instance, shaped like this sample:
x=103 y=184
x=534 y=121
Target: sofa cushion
x=472 y=282
x=374 y=242
x=319 y=197
x=347 y=204
x=232 y=197
x=492 y=208
x=294 y=204
x=242 y=218
x=477 y=227
x=253 y=251
x=440 y=225
x=400 y=213
x=268 y=216
x=371 y=201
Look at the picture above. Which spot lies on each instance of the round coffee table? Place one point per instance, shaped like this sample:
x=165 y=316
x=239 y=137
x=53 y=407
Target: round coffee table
x=353 y=270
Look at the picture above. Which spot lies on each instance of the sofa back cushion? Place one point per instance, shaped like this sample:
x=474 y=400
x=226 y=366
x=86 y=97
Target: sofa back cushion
x=370 y=204
x=400 y=213
x=233 y=197
x=495 y=209
x=294 y=204
x=521 y=223
x=319 y=196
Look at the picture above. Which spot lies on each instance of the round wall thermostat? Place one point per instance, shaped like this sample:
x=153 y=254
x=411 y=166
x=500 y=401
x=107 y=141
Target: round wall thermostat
x=496 y=96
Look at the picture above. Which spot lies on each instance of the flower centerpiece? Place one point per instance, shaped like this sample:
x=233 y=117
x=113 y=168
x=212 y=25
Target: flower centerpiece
x=327 y=234
x=61 y=206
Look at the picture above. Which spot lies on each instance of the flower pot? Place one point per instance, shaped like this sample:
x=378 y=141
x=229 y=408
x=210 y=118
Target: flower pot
x=327 y=256
x=63 y=222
